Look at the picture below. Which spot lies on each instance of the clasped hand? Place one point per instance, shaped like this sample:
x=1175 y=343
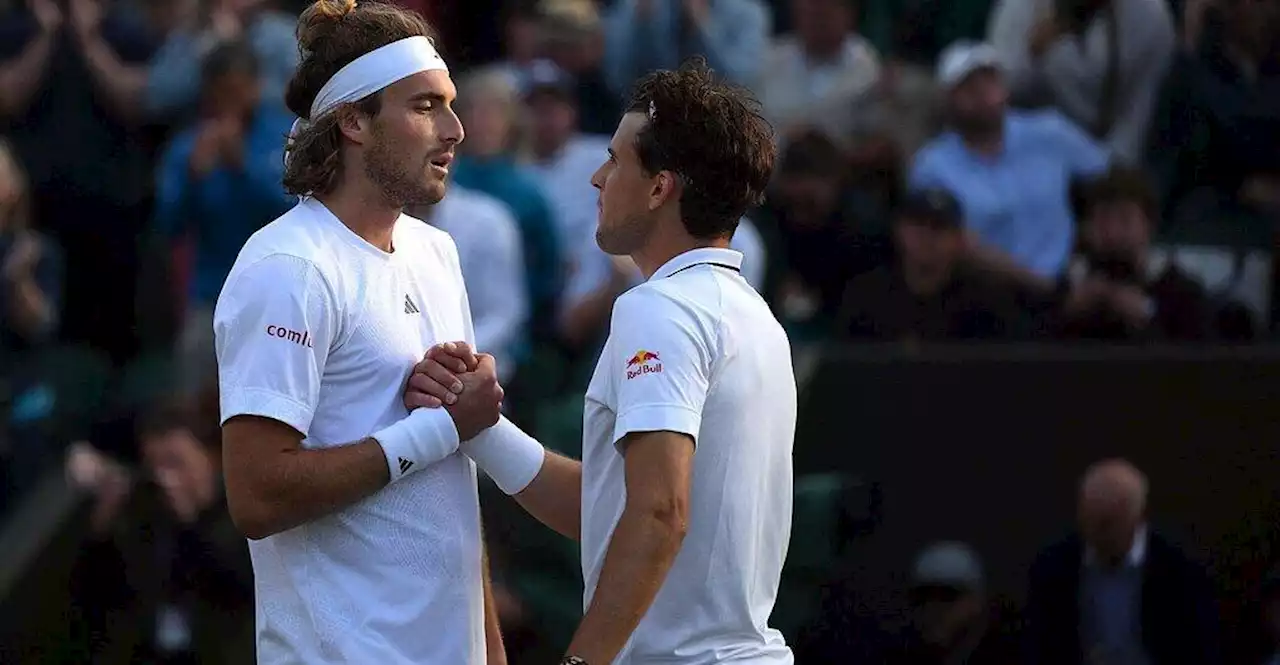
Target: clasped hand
x=452 y=375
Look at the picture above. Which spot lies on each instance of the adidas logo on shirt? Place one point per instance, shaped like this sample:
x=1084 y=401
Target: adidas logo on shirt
x=409 y=307
x=405 y=465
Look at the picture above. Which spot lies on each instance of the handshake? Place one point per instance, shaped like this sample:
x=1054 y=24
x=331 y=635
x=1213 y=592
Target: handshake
x=465 y=383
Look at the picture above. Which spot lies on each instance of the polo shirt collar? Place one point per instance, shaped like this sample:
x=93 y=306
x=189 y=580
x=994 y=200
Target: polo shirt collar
x=717 y=256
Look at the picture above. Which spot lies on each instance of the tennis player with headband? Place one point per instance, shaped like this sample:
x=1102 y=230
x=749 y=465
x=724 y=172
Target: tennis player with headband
x=363 y=518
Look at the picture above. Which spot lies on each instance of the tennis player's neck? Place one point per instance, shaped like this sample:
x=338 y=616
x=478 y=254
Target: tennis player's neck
x=371 y=219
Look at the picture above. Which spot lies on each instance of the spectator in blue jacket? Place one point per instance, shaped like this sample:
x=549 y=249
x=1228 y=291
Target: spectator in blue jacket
x=220 y=180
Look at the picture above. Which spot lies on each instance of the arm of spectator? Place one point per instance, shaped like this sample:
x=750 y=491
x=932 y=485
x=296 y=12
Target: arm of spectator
x=173 y=79
x=1129 y=135
x=499 y=302
x=595 y=282
x=120 y=83
x=1008 y=31
x=542 y=250
x=732 y=36
x=33 y=275
x=631 y=42
x=1084 y=156
x=22 y=75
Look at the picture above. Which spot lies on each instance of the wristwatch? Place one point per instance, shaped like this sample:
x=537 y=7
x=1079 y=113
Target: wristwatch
x=573 y=660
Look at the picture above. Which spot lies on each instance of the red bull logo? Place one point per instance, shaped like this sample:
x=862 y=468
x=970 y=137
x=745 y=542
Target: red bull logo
x=643 y=362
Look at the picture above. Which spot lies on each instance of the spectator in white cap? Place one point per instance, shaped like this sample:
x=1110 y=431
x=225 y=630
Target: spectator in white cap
x=951 y=617
x=1011 y=170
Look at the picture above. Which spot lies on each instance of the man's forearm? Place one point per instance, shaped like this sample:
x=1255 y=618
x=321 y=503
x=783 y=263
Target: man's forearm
x=552 y=496
x=303 y=485
x=555 y=496
x=20 y=78
x=640 y=554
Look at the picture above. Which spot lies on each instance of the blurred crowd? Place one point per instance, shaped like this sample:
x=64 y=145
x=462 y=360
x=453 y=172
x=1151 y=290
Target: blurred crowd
x=950 y=170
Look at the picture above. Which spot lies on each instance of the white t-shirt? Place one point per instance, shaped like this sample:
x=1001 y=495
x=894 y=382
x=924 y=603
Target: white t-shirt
x=319 y=329
x=696 y=350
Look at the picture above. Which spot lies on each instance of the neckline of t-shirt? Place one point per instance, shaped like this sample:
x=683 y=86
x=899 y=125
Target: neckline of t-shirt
x=351 y=237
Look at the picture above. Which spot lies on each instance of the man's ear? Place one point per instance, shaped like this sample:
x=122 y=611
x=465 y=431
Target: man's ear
x=354 y=124
x=664 y=188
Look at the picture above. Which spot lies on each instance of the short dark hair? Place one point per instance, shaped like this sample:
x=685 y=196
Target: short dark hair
x=233 y=57
x=331 y=34
x=713 y=136
x=1120 y=184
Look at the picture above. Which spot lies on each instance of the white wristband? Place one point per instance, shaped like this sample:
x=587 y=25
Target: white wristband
x=424 y=437
x=507 y=455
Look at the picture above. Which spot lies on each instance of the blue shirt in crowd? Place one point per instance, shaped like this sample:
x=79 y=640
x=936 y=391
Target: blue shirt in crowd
x=222 y=209
x=1020 y=200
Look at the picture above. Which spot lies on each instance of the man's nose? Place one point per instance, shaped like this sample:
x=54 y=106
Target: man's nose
x=453 y=131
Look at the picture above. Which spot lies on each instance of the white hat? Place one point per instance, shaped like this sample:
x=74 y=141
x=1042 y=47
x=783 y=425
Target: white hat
x=962 y=58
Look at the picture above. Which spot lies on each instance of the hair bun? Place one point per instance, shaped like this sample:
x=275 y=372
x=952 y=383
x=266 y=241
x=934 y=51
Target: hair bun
x=318 y=23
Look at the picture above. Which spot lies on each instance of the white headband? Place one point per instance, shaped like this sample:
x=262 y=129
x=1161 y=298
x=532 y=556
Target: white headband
x=370 y=73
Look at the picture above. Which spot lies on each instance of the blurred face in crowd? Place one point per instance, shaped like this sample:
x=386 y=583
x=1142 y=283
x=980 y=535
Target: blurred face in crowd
x=978 y=102
x=410 y=142
x=929 y=251
x=554 y=120
x=627 y=202
x=1108 y=525
x=808 y=199
x=1117 y=229
x=488 y=114
x=234 y=94
x=523 y=37
x=942 y=615
x=822 y=25
x=1252 y=24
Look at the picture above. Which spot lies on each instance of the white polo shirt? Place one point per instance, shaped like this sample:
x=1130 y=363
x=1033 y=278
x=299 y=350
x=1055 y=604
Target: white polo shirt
x=696 y=350
x=319 y=329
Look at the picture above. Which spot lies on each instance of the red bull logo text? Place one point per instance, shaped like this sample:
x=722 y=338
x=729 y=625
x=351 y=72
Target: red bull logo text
x=643 y=362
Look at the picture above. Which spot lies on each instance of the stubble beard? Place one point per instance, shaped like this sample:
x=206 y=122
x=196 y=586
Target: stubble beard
x=401 y=188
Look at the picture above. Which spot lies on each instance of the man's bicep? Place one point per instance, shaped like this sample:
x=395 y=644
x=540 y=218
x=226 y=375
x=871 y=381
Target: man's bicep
x=658 y=467
x=273 y=326
x=661 y=355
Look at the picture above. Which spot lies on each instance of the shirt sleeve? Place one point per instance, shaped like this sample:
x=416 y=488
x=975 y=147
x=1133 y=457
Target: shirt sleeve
x=273 y=325
x=662 y=356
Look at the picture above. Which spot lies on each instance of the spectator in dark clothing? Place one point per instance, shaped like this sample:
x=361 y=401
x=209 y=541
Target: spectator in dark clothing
x=1117 y=592
x=952 y=620
x=1216 y=137
x=817 y=240
x=30 y=268
x=68 y=102
x=928 y=293
x=165 y=577
x=1118 y=292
